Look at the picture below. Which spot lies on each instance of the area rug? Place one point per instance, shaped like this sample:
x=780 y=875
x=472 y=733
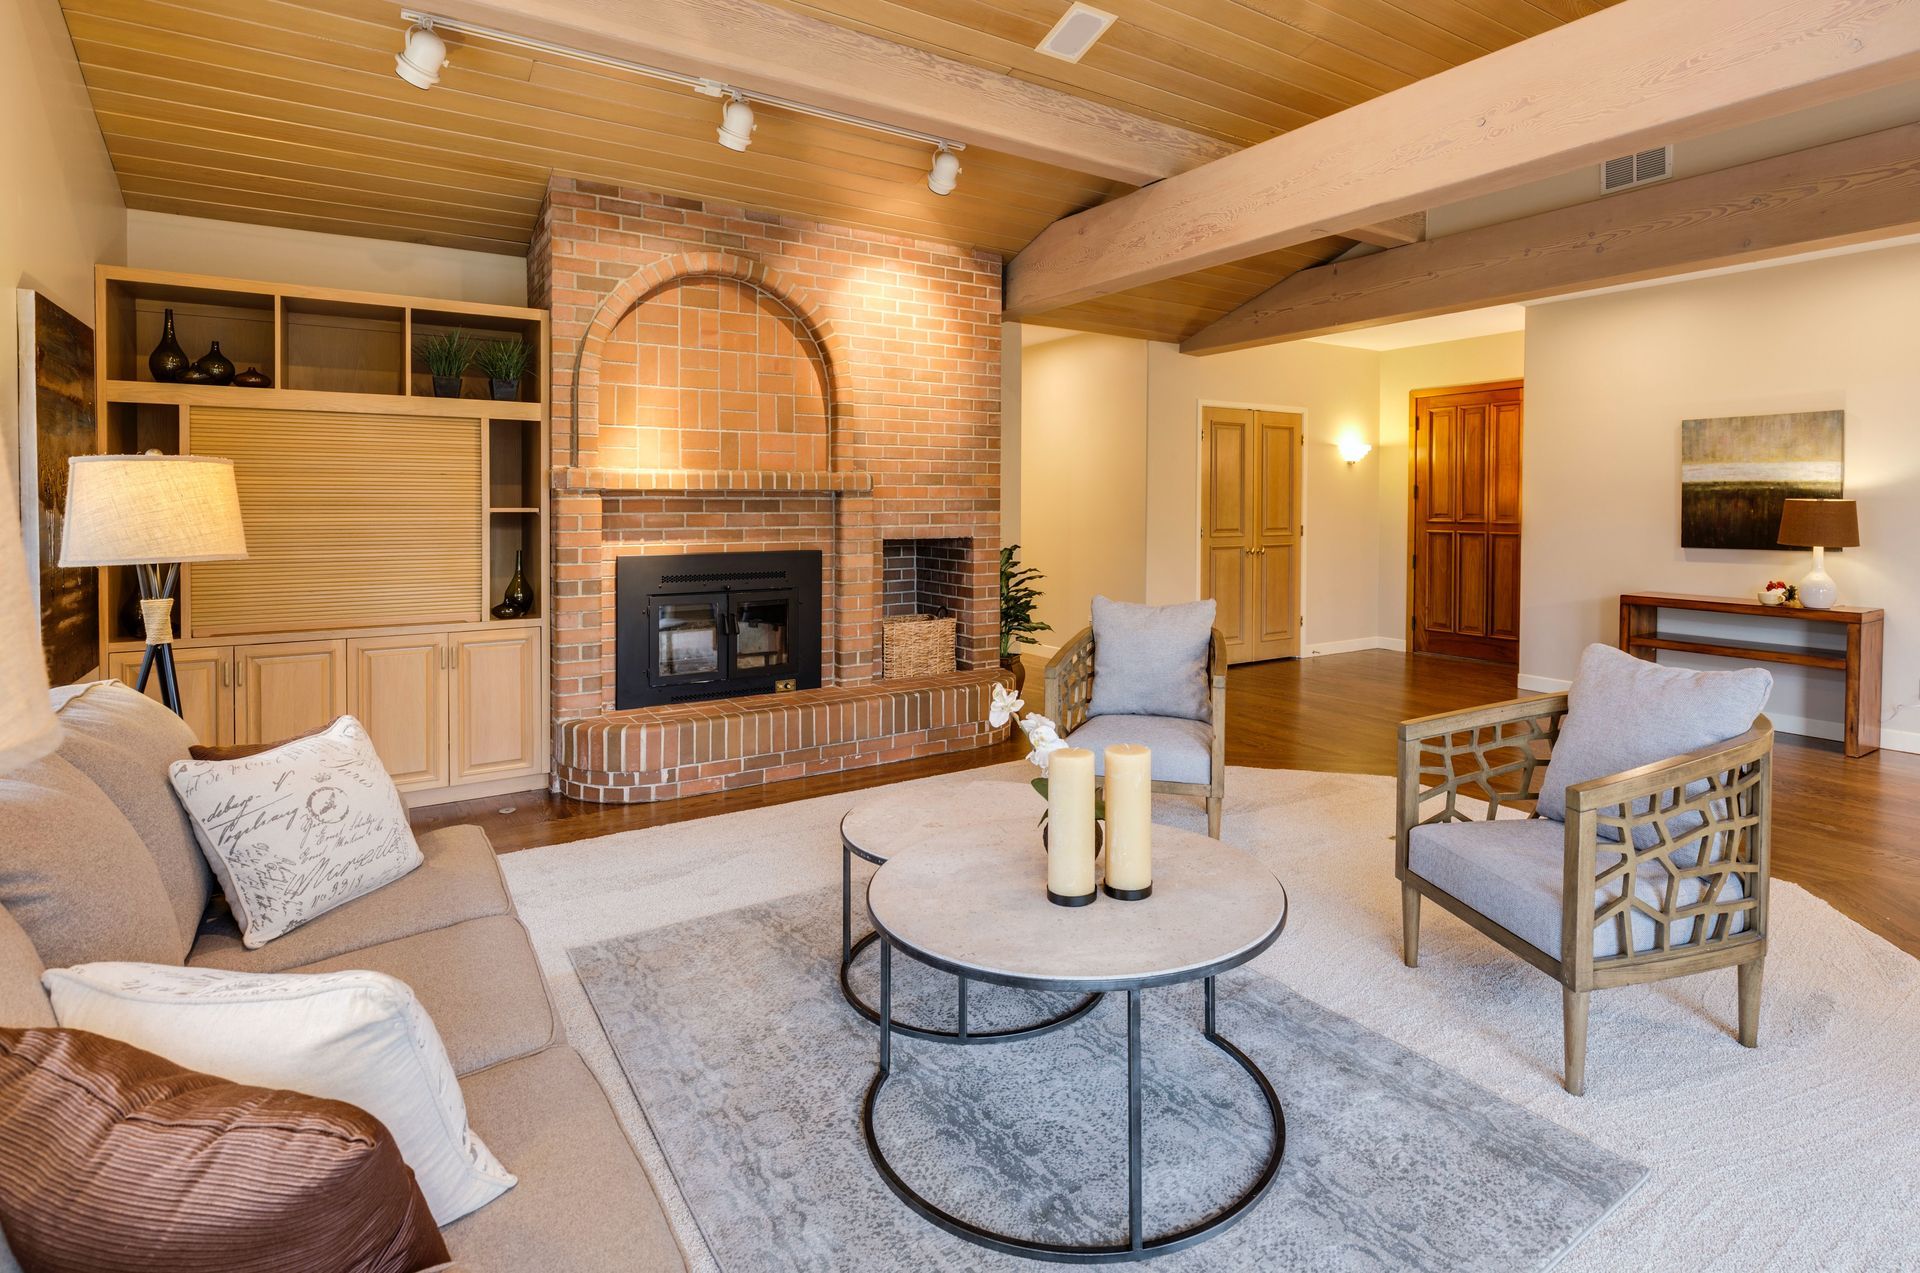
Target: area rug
x=1795 y=1155
x=751 y=1069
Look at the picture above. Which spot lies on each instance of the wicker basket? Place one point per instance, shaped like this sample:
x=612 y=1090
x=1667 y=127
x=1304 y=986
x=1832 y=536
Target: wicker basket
x=917 y=645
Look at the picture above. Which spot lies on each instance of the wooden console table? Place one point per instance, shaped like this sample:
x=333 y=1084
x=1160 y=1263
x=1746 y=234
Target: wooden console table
x=1866 y=643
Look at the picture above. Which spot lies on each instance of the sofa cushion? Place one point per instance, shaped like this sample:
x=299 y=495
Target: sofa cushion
x=124 y=741
x=74 y=873
x=113 y=1158
x=1151 y=660
x=1624 y=712
x=1513 y=872
x=584 y=1203
x=478 y=980
x=457 y=880
x=1182 y=749
x=23 y=1002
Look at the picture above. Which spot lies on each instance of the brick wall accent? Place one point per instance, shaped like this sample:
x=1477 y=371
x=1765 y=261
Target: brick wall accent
x=832 y=388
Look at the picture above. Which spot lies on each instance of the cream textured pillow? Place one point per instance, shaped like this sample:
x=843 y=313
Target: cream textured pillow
x=298 y=830
x=358 y=1037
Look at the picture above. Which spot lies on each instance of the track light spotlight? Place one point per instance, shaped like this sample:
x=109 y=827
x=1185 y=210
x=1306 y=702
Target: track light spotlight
x=736 y=123
x=945 y=173
x=420 y=62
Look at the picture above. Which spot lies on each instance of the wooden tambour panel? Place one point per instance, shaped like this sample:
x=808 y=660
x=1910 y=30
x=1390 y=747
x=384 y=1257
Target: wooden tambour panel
x=352 y=521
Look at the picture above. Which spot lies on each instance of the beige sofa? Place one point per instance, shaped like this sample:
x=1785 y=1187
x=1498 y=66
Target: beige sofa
x=97 y=861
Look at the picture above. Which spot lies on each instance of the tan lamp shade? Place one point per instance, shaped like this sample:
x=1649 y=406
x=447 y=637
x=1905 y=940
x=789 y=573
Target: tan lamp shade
x=132 y=510
x=28 y=729
x=1823 y=523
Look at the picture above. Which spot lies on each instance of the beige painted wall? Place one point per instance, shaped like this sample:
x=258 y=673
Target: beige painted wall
x=1338 y=390
x=60 y=211
x=1083 y=474
x=1402 y=373
x=161 y=240
x=1609 y=379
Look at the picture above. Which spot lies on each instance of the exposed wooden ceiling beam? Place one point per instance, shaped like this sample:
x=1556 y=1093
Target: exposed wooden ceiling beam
x=1398 y=232
x=1644 y=72
x=758 y=46
x=1845 y=192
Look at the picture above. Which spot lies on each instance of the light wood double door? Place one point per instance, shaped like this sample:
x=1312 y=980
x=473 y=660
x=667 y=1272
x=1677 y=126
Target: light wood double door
x=1250 y=529
x=442 y=708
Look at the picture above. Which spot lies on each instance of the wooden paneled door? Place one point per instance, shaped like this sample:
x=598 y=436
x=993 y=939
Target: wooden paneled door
x=205 y=677
x=1250 y=529
x=494 y=720
x=1464 y=526
x=397 y=688
x=285 y=688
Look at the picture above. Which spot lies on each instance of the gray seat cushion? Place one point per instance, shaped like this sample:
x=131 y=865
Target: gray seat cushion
x=1182 y=749
x=1624 y=712
x=459 y=880
x=124 y=741
x=1512 y=872
x=1151 y=660
x=479 y=981
x=74 y=874
x=23 y=1001
x=584 y=1202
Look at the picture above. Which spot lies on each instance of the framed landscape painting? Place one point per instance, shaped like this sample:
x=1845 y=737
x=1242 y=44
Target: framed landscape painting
x=56 y=423
x=1737 y=472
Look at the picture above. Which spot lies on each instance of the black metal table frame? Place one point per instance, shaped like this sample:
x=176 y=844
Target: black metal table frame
x=850 y=950
x=1138 y=1245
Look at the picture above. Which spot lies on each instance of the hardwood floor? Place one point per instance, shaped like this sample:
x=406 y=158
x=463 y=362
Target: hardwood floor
x=1843 y=829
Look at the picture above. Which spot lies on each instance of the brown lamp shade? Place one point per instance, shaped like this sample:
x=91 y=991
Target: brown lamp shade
x=1825 y=523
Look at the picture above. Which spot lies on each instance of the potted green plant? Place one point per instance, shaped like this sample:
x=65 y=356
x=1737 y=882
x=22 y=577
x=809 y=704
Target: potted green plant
x=1017 y=624
x=447 y=355
x=504 y=362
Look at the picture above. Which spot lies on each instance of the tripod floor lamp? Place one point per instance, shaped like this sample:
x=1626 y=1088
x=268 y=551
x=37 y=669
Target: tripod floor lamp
x=155 y=513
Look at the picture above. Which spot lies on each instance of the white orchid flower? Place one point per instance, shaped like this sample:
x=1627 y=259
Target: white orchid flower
x=1044 y=737
x=1005 y=706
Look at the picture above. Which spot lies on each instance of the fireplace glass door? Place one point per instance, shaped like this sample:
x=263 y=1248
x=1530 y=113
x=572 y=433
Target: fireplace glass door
x=688 y=636
x=760 y=634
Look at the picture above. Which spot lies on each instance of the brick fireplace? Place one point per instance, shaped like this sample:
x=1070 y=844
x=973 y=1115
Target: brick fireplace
x=731 y=381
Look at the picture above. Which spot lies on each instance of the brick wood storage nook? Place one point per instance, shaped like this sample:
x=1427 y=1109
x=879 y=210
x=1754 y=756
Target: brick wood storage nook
x=735 y=381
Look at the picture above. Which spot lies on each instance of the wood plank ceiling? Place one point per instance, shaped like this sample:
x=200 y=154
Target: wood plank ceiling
x=288 y=113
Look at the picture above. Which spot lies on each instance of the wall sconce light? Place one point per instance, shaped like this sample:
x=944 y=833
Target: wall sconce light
x=1353 y=450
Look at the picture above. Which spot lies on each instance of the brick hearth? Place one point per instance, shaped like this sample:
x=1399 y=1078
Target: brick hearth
x=727 y=380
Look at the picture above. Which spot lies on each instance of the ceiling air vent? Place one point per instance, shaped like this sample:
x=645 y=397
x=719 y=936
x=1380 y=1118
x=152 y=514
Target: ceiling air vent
x=1075 y=32
x=1638 y=169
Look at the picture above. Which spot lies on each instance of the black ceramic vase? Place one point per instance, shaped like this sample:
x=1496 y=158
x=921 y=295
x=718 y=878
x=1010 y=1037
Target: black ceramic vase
x=518 y=600
x=253 y=378
x=167 y=360
x=217 y=366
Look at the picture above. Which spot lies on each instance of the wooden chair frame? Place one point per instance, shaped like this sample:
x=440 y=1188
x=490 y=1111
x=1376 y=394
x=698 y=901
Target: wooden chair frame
x=1497 y=754
x=1069 y=693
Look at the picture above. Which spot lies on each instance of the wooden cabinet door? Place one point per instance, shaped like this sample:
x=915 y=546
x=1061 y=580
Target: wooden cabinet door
x=284 y=688
x=397 y=688
x=1250 y=529
x=494 y=721
x=1464 y=531
x=205 y=677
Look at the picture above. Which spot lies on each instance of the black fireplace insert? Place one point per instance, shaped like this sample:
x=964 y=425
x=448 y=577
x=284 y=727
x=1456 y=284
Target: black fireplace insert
x=715 y=625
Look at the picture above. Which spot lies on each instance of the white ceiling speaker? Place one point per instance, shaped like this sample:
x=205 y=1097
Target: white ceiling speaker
x=945 y=173
x=1075 y=32
x=420 y=62
x=736 y=123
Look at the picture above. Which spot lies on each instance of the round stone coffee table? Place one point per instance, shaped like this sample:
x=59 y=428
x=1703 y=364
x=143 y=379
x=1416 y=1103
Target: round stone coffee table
x=983 y=914
x=963 y=815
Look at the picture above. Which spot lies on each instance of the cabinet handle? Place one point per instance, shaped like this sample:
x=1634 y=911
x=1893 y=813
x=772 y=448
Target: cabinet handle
x=443 y=657
x=226 y=673
x=453 y=657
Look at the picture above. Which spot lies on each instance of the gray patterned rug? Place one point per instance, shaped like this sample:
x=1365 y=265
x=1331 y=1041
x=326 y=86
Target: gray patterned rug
x=751 y=1070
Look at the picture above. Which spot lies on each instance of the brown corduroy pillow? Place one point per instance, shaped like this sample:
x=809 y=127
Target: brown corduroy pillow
x=115 y=1159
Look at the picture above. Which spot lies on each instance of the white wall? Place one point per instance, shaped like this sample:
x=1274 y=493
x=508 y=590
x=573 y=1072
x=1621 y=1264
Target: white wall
x=60 y=209
x=1404 y=372
x=1609 y=378
x=1083 y=474
x=193 y=245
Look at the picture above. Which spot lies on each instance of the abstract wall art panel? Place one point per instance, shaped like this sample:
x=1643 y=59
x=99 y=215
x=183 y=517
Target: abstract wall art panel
x=56 y=423
x=1736 y=472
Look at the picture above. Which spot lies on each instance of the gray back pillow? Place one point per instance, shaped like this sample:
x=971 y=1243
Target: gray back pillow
x=1624 y=712
x=1151 y=660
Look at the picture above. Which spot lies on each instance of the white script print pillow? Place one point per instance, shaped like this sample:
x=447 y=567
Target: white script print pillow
x=358 y=1037
x=293 y=832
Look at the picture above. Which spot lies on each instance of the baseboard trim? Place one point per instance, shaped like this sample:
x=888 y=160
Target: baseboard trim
x=1395 y=644
x=1904 y=740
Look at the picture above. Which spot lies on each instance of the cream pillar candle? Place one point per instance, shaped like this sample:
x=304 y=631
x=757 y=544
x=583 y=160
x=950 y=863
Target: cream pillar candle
x=1070 y=827
x=1129 y=821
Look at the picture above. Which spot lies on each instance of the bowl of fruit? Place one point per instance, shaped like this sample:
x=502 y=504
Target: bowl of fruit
x=1776 y=593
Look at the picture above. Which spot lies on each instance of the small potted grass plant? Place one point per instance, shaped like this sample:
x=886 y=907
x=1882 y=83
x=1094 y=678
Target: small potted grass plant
x=447 y=355
x=504 y=362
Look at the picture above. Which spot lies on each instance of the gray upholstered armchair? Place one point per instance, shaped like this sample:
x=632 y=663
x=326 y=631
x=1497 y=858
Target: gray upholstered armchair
x=1657 y=872
x=1189 y=755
